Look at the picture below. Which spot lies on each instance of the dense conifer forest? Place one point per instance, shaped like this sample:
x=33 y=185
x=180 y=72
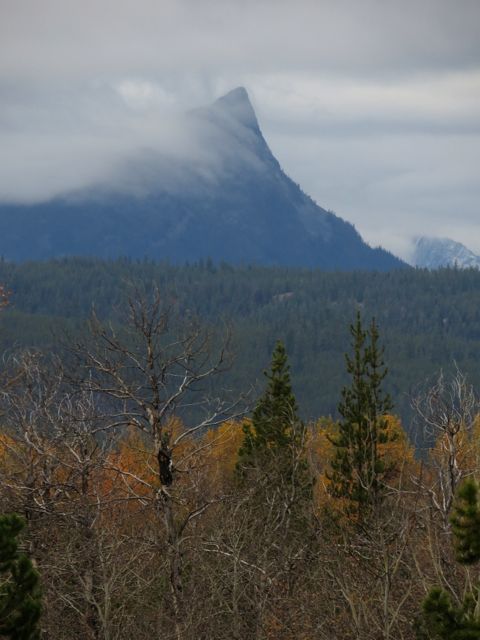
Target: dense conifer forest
x=428 y=320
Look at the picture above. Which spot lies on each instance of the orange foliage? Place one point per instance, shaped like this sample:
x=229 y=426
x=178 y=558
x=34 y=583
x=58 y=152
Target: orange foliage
x=8 y=447
x=398 y=453
x=133 y=464
x=222 y=445
x=129 y=480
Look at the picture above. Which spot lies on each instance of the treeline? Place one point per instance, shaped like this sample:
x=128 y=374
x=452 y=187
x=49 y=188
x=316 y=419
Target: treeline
x=238 y=525
x=429 y=320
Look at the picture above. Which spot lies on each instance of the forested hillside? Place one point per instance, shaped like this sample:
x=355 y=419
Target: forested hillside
x=428 y=320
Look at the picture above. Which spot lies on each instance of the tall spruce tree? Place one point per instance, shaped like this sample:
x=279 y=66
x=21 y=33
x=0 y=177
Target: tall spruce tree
x=274 y=439
x=20 y=597
x=275 y=486
x=442 y=619
x=357 y=466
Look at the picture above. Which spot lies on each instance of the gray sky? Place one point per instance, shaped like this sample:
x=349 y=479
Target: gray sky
x=373 y=106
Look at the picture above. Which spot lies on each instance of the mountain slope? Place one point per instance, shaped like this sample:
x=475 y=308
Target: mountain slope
x=433 y=253
x=230 y=201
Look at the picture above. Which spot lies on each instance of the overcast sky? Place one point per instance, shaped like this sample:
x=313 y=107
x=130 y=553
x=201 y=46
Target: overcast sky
x=373 y=106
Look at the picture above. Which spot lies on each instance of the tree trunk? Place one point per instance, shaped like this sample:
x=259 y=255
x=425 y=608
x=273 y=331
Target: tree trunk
x=175 y=563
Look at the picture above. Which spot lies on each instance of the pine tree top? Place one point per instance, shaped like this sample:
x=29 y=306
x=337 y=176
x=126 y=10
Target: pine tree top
x=275 y=415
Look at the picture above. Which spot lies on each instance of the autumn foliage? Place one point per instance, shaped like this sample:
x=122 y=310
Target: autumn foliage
x=218 y=525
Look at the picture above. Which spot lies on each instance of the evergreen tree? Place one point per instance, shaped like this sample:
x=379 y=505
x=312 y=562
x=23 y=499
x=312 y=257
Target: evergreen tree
x=20 y=598
x=465 y=521
x=275 y=421
x=276 y=485
x=357 y=466
x=441 y=619
x=273 y=442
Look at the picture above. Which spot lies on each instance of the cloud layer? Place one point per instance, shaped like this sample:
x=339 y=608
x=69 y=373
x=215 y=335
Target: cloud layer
x=372 y=107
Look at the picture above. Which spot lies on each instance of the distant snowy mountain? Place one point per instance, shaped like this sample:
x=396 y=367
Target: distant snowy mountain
x=432 y=253
x=226 y=199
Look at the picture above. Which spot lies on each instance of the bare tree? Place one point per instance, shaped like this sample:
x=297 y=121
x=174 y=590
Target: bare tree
x=53 y=472
x=157 y=368
x=447 y=410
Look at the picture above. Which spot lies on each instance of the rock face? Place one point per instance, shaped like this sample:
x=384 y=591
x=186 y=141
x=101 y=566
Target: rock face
x=230 y=201
x=433 y=253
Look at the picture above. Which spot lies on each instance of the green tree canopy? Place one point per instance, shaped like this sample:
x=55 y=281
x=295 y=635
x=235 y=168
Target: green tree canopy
x=357 y=466
x=275 y=427
x=20 y=597
x=274 y=440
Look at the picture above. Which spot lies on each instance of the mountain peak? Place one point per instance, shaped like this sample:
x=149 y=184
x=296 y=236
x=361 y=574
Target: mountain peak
x=433 y=253
x=230 y=201
x=234 y=96
x=237 y=105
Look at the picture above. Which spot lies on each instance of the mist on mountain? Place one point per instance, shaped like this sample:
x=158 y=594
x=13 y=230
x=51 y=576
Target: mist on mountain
x=220 y=194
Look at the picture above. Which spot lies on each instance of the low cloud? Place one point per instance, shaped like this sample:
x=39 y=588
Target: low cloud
x=66 y=140
x=130 y=137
